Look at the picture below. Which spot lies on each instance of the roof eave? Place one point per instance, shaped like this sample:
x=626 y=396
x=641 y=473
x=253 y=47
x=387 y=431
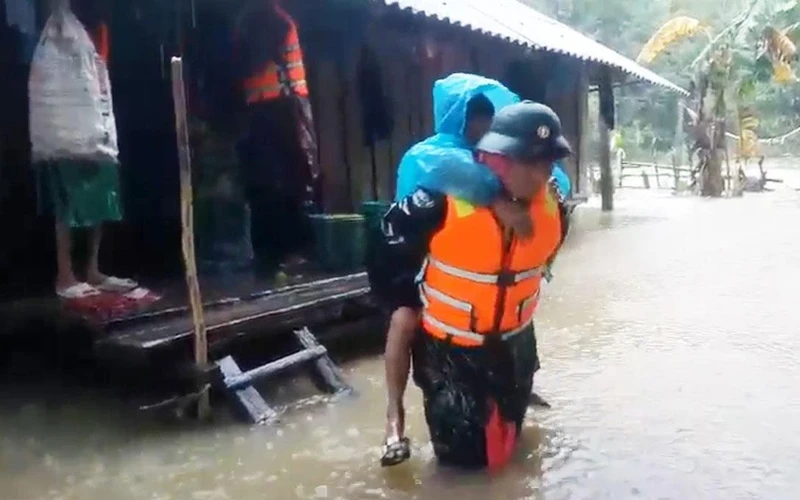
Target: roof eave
x=631 y=68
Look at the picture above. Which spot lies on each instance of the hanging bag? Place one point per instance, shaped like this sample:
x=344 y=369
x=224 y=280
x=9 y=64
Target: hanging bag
x=71 y=111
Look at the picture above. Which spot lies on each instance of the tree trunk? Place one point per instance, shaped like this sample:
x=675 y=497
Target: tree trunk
x=713 y=184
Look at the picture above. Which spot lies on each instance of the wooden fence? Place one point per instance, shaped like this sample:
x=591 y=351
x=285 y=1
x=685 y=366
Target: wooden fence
x=673 y=177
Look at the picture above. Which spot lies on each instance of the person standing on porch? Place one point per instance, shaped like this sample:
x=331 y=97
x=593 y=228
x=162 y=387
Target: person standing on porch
x=81 y=191
x=278 y=150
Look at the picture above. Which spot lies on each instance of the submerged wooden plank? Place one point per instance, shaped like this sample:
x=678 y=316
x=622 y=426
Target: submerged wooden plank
x=283 y=309
x=247 y=398
x=239 y=385
x=249 y=377
x=330 y=375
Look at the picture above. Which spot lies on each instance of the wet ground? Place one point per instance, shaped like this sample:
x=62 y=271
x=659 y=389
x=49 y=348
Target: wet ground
x=671 y=355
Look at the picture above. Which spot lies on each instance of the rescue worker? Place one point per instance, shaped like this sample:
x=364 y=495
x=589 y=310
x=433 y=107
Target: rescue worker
x=464 y=105
x=279 y=150
x=475 y=353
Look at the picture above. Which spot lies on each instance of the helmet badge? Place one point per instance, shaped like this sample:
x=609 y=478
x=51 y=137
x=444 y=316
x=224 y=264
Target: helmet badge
x=543 y=132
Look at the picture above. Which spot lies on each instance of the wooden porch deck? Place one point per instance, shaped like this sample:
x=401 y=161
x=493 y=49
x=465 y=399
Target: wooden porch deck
x=239 y=308
x=257 y=312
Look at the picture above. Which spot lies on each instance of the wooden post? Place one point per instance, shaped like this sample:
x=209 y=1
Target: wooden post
x=679 y=141
x=187 y=230
x=583 y=173
x=658 y=176
x=676 y=176
x=606 y=174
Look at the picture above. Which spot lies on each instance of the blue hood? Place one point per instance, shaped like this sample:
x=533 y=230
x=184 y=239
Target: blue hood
x=444 y=162
x=562 y=179
x=451 y=95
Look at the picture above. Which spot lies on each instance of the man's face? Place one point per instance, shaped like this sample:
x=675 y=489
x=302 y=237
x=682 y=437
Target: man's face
x=477 y=126
x=525 y=179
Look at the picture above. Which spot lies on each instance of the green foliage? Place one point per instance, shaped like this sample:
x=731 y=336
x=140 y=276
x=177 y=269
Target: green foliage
x=646 y=113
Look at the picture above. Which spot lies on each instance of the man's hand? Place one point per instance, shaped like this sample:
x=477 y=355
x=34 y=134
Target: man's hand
x=547 y=274
x=514 y=216
x=554 y=189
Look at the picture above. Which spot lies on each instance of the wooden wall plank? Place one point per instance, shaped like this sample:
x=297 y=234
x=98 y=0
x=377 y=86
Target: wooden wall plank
x=356 y=153
x=326 y=87
x=402 y=138
x=384 y=164
x=409 y=68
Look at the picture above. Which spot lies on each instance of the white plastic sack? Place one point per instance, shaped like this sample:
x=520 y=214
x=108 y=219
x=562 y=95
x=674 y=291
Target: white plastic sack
x=71 y=111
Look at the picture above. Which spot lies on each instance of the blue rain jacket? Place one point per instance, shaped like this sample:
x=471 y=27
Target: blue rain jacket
x=444 y=162
x=562 y=179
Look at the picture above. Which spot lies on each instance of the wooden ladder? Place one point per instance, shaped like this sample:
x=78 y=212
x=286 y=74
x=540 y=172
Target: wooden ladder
x=239 y=385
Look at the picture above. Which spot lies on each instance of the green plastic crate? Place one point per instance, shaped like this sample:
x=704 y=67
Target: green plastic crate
x=340 y=241
x=370 y=207
x=373 y=212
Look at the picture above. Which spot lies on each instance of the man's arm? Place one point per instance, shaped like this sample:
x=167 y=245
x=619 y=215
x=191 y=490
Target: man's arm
x=395 y=256
x=455 y=172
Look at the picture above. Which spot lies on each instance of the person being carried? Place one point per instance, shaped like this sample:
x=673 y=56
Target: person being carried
x=464 y=105
x=475 y=353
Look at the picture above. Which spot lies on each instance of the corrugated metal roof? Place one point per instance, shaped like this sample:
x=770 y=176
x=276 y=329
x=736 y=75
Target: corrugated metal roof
x=517 y=22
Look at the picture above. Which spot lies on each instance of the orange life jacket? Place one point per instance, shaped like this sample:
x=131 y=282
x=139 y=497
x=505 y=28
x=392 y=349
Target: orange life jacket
x=267 y=84
x=475 y=283
x=101 y=42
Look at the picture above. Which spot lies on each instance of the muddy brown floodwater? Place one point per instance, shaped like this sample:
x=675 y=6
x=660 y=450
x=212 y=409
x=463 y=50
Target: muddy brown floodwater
x=670 y=343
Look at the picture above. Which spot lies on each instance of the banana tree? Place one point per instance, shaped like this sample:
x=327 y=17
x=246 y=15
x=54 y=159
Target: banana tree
x=726 y=73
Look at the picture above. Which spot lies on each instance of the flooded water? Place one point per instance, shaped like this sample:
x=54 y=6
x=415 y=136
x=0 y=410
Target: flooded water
x=671 y=355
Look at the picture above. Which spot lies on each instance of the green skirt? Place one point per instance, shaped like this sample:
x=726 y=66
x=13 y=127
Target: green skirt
x=79 y=193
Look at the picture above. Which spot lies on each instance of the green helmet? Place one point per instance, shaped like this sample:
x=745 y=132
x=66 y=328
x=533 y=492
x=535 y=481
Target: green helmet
x=526 y=131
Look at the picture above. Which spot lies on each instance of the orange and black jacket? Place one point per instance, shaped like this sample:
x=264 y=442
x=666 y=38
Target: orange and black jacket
x=394 y=261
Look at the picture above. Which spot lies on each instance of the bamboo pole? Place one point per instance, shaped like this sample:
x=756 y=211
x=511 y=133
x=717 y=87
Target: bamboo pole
x=187 y=231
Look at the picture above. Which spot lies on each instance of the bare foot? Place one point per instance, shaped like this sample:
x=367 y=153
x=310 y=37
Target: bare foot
x=396 y=447
x=96 y=277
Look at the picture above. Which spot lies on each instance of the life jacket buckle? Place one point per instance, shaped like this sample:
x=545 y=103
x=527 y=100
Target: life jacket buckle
x=506 y=278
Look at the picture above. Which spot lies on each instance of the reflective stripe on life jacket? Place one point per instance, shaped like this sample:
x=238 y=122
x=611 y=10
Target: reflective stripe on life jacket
x=269 y=83
x=475 y=283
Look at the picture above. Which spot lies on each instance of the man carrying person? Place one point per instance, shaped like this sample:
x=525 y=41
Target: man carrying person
x=464 y=105
x=475 y=354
